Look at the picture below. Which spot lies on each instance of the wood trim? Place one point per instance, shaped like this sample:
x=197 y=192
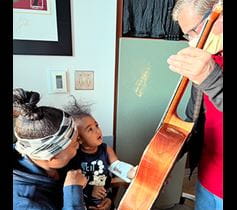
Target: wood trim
x=118 y=36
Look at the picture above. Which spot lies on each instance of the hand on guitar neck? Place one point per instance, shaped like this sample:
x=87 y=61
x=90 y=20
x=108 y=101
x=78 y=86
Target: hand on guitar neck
x=193 y=63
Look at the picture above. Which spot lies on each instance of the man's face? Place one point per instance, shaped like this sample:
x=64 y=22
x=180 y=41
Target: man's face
x=192 y=24
x=188 y=21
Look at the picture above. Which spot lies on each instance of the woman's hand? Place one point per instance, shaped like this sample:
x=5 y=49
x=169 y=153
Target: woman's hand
x=193 y=63
x=75 y=177
x=99 y=192
x=104 y=205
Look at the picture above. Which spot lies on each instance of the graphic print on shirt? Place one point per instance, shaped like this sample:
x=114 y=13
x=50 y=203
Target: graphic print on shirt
x=96 y=170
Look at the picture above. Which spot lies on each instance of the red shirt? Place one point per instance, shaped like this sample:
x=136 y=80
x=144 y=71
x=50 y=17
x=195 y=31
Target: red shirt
x=210 y=171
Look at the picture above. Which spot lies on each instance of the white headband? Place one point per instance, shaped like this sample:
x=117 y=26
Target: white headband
x=49 y=146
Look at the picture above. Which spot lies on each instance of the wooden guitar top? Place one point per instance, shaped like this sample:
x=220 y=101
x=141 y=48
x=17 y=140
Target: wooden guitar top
x=156 y=163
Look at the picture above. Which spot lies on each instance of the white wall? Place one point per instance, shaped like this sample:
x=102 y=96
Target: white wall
x=93 y=35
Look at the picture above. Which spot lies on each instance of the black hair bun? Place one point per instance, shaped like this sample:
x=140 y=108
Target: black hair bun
x=25 y=102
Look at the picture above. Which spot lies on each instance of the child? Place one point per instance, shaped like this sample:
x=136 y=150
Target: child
x=95 y=157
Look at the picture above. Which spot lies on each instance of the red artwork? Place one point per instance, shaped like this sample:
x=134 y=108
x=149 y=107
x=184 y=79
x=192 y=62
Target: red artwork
x=31 y=4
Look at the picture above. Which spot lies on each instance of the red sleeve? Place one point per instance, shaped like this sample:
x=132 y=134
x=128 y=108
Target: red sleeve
x=218 y=58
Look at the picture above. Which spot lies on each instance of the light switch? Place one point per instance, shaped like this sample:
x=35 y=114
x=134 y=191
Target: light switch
x=84 y=80
x=57 y=81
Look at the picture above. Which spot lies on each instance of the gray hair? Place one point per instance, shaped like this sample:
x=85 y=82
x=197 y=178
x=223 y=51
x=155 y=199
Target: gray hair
x=199 y=6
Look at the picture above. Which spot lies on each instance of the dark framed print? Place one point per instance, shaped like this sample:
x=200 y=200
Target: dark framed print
x=42 y=27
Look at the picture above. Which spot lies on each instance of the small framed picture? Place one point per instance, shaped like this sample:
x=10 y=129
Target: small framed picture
x=84 y=80
x=57 y=81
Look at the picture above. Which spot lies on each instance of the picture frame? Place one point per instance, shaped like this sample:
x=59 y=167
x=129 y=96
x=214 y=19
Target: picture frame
x=61 y=47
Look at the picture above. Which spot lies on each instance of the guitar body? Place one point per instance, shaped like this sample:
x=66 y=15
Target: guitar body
x=156 y=163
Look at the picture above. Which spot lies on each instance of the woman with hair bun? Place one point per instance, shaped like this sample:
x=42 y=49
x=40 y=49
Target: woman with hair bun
x=46 y=142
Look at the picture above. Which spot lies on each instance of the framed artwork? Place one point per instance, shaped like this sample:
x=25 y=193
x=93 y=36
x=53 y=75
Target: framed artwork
x=31 y=4
x=42 y=27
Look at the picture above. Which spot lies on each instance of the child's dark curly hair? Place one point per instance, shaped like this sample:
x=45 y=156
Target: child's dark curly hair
x=77 y=109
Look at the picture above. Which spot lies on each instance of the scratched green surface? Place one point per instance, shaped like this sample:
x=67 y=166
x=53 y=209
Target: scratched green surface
x=145 y=87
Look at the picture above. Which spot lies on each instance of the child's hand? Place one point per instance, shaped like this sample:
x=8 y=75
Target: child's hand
x=132 y=172
x=104 y=205
x=75 y=177
x=99 y=192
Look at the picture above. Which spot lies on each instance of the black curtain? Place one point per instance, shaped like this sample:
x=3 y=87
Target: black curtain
x=150 y=18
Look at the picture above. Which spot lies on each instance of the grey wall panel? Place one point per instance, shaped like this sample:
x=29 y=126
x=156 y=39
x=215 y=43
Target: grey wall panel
x=145 y=86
